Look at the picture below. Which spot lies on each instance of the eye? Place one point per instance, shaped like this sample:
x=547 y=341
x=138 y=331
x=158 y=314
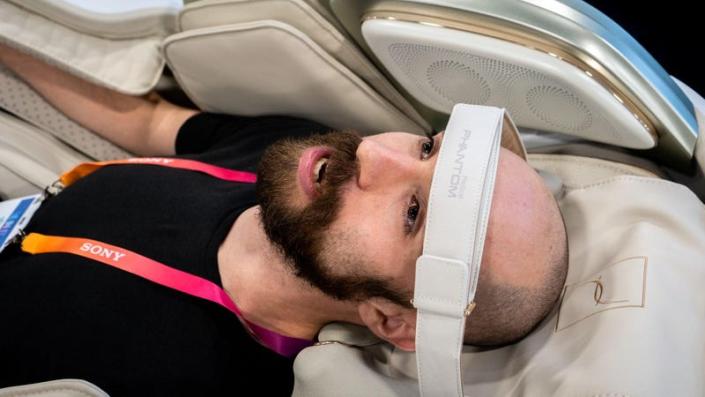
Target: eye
x=427 y=148
x=411 y=214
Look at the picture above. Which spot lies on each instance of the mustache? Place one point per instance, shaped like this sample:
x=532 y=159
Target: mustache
x=298 y=232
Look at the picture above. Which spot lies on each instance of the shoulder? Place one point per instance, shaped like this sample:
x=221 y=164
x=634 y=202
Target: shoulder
x=204 y=131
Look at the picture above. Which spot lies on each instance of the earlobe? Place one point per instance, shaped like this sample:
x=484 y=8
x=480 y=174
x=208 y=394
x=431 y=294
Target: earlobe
x=389 y=321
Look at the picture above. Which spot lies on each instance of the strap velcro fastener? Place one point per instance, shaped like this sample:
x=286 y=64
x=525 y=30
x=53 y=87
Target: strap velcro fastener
x=444 y=290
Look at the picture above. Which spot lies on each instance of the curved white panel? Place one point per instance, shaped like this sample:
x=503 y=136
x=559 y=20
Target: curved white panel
x=441 y=67
x=130 y=66
x=285 y=73
x=122 y=19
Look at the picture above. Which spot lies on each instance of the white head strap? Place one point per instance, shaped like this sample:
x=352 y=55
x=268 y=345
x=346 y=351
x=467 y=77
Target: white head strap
x=448 y=271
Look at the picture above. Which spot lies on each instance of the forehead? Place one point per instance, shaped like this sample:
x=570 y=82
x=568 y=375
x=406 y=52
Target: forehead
x=392 y=137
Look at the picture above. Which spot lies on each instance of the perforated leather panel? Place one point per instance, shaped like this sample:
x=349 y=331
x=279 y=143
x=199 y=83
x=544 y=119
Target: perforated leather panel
x=441 y=67
x=18 y=98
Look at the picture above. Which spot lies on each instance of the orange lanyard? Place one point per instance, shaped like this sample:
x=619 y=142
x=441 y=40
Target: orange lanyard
x=132 y=262
x=84 y=169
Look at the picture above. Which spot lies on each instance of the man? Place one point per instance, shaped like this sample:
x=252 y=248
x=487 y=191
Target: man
x=346 y=213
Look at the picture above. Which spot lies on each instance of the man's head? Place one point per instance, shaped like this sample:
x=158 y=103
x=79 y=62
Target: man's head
x=355 y=230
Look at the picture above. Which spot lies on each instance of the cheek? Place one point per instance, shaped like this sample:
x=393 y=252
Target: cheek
x=365 y=228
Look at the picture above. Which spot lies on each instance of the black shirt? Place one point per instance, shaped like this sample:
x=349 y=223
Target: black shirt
x=64 y=316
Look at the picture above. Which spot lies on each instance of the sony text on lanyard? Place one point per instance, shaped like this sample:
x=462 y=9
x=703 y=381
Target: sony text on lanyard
x=132 y=262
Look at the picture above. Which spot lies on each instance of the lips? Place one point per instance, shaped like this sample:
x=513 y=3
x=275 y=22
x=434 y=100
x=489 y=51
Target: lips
x=307 y=164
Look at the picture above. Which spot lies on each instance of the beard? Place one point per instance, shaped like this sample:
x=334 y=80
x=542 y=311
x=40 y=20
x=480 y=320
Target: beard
x=299 y=233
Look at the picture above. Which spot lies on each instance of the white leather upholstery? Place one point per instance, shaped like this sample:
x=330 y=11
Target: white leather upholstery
x=131 y=66
x=269 y=67
x=55 y=388
x=30 y=159
x=577 y=171
x=643 y=240
x=305 y=17
x=18 y=98
x=124 y=19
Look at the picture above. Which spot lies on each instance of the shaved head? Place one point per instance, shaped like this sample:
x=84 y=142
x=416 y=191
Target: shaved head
x=359 y=237
x=525 y=259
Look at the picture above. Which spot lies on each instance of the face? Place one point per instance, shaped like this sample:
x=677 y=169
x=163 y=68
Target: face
x=354 y=212
x=379 y=229
x=307 y=190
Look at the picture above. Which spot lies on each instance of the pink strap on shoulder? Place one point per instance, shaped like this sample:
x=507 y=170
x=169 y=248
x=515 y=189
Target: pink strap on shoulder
x=226 y=174
x=152 y=270
x=131 y=262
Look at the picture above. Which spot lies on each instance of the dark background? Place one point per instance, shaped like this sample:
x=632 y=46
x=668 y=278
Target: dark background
x=671 y=31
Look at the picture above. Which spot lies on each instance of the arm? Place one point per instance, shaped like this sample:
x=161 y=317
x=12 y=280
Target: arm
x=143 y=125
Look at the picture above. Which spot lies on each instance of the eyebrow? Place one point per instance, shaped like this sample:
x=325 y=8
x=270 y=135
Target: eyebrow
x=423 y=201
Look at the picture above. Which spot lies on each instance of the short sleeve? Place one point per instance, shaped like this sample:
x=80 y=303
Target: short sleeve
x=205 y=132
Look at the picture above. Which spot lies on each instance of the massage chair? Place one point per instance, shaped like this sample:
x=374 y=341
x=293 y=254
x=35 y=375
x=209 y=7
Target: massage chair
x=606 y=126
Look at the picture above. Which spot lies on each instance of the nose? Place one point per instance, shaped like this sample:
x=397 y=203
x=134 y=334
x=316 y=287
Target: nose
x=382 y=165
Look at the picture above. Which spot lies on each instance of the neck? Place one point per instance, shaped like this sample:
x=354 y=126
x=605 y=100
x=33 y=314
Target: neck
x=265 y=288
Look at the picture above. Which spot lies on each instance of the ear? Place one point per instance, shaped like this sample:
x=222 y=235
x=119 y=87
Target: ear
x=389 y=321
